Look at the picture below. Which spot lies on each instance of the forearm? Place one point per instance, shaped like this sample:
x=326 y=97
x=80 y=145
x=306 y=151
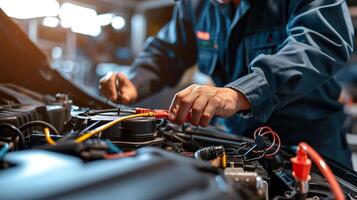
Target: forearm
x=167 y=55
x=146 y=82
x=317 y=46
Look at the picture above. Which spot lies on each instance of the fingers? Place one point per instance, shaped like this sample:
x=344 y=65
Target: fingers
x=197 y=110
x=118 y=88
x=199 y=102
x=175 y=104
x=107 y=86
x=208 y=113
x=185 y=107
x=128 y=92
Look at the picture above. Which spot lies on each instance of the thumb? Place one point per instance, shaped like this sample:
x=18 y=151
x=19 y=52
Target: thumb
x=128 y=92
x=125 y=99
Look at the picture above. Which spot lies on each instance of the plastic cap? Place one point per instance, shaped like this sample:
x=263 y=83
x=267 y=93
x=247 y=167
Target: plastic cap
x=301 y=165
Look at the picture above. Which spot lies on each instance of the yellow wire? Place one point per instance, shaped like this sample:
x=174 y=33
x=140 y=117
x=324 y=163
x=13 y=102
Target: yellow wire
x=48 y=136
x=110 y=124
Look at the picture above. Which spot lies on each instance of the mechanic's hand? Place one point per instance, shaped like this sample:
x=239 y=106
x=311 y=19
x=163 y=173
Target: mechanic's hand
x=203 y=102
x=126 y=93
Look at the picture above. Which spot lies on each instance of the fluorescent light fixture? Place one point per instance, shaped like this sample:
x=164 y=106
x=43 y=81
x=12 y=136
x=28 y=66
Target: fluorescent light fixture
x=50 y=22
x=80 y=19
x=75 y=12
x=65 y=23
x=27 y=9
x=105 y=19
x=118 y=22
x=87 y=29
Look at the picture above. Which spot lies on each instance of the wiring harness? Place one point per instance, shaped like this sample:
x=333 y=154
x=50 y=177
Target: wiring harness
x=266 y=143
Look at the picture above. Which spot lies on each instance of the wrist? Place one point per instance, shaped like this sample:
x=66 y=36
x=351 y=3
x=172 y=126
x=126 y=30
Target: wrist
x=242 y=102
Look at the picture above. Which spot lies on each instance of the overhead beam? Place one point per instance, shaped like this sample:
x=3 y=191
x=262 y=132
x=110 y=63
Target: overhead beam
x=137 y=6
x=121 y=3
x=152 y=4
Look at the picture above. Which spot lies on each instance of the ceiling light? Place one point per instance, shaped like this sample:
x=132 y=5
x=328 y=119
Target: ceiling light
x=80 y=19
x=50 y=22
x=65 y=23
x=26 y=9
x=105 y=19
x=118 y=22
x=87 y=29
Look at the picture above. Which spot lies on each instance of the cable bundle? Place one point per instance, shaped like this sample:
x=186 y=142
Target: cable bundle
x=209 y=153
x=266 y=131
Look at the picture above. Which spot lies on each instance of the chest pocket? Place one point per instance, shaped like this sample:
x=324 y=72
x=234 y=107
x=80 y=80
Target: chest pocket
x=264 y=42
x=207 y=55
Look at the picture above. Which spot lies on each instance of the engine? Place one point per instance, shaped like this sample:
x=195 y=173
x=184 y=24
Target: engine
x=52 y=149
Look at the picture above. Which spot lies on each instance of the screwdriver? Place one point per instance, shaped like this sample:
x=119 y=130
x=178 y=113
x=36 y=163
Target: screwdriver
x=117 y=87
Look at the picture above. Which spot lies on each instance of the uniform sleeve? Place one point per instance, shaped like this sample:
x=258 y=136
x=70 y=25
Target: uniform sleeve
x=167 y=55
x=319 y=42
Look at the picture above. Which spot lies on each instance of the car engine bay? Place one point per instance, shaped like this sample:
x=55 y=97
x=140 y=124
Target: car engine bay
x=71 y=145
x=52 y=149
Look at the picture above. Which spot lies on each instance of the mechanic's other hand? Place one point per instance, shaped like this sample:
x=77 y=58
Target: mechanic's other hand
x=126 y=93
x=203 y=102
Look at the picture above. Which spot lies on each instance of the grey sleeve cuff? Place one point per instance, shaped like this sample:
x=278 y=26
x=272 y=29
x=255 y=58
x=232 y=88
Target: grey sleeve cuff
x=256 y=88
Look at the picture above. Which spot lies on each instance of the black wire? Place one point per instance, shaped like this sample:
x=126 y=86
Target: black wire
x=95 y=112
x=237 y=150
x=116 y=110
x=173 y=135
x=256 y=158
x=38 y=123
x=243 y=156
x=179 y=138
x=17 y=132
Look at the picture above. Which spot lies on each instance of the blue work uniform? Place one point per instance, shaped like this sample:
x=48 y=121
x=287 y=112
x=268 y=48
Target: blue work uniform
x=281 y=54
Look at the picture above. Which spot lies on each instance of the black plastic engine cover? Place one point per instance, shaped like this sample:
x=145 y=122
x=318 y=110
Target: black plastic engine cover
x=20 y=114
x=19 y=106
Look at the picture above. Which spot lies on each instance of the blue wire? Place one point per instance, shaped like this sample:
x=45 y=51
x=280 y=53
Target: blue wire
x=112 y=147
x=5 y=148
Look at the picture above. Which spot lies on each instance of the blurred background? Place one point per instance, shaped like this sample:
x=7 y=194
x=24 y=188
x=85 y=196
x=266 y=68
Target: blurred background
x=85 y=39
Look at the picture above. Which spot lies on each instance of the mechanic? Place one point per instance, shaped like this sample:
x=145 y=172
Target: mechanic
x=272 y=61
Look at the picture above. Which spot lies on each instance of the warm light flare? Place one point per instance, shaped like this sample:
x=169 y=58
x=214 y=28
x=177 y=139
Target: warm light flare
x=105 y=19
x=50 y=22
x=80 y=19
x=27 y=9
x=118 y=22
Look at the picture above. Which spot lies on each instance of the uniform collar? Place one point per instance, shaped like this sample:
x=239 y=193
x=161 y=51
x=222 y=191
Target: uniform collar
x=242 y=9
